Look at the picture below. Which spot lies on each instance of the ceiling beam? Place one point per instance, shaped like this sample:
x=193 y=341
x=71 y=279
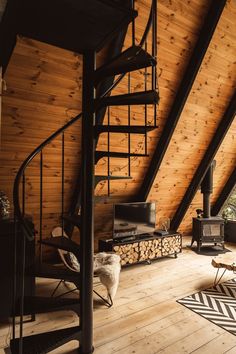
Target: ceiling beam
x=193 y=67
x=209 y=155
x=224 y=194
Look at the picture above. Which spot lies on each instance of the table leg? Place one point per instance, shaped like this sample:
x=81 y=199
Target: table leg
x=216 y=282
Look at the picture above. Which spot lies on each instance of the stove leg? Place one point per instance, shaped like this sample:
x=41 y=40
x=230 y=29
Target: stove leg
x=198 y=247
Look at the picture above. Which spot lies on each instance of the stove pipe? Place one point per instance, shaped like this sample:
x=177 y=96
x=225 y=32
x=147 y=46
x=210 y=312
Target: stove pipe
x=207 y=189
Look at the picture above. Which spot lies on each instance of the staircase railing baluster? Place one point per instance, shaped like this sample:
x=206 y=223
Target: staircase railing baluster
x=22 y=293
x=14 y=278
x=154 y=53
x=41 y=208
x=23 y=194
x=133 y=24
x=145 y=106
x=62 y=178
x=129 y=121
x=108 y=147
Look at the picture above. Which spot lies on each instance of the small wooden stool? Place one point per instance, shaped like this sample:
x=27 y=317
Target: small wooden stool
x=226 y=262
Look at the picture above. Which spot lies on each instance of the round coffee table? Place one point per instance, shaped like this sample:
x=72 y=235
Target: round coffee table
x=225 y=262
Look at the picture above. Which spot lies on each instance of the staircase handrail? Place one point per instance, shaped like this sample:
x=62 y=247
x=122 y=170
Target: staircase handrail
x=18 y=214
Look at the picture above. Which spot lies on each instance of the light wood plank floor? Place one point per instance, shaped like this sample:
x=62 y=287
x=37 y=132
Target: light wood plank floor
x=145 y=317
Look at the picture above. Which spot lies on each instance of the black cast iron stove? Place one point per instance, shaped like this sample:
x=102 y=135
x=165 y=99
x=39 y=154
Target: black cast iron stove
x=207 y=229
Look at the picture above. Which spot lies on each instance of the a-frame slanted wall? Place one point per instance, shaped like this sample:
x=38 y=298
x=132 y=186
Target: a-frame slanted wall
x=202 y=113
x=210 y=152
x=224 y=193
x=178 y=29
x=44 y=83
x=194 y=64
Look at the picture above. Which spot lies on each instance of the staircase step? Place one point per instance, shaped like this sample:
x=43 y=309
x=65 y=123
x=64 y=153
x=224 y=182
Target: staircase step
x=101 y=154
x=73 y=219
x=143 y=97
x=94 y=22
x=133 y=129
x=45 y=342
x=99 y=178
x=131 y=59
x=50 y=271
x=63 y=243
x=40 y=304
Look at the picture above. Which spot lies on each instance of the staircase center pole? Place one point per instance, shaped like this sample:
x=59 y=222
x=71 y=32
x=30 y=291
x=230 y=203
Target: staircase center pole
x=87 y=213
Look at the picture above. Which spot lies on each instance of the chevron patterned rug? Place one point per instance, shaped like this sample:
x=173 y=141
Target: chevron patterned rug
x=216 y=304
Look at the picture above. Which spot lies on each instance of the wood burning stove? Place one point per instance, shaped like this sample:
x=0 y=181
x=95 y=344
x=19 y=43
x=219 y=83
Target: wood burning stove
x=207 y=229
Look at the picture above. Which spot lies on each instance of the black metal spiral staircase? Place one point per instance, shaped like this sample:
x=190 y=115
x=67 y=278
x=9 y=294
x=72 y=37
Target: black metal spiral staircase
x=134 y=58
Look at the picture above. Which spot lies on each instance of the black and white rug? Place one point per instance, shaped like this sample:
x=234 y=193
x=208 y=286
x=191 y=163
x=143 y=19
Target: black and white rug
x=216 y=304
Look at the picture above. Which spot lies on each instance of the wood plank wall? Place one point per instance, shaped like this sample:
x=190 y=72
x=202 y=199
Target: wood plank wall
x=44 y=91
x=179 y=23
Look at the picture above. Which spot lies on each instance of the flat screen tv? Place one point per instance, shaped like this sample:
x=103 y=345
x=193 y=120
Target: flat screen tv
x=133 y=219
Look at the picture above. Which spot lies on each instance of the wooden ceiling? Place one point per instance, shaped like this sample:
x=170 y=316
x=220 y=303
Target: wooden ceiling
x=44 y=91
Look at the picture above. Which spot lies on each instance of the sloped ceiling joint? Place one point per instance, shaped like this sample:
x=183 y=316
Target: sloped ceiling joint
x=186 y=84
x=225 y=193
x=208 y=157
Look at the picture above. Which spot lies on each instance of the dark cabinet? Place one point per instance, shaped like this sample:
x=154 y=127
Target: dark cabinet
x=7 y=269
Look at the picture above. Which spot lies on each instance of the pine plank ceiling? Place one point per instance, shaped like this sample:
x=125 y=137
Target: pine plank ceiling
x=44 y=82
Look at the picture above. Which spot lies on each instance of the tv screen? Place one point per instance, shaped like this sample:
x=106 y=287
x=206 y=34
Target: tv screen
x=133 y=219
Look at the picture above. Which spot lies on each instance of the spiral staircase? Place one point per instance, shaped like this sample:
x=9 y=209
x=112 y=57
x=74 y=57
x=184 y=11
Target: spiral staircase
x=99 y=21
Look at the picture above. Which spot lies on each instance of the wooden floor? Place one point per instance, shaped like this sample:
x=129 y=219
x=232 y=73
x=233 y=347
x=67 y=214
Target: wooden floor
x=145 y=317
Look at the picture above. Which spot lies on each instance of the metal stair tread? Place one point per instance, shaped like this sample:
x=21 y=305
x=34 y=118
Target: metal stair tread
x=101 y=154
x=136 y=98
x=45 y=342
x=131 y=59
x=50 y=271
x=61 y=242
x=133 y=129
x=103 y=177
x=41 y=304
x=94 y=21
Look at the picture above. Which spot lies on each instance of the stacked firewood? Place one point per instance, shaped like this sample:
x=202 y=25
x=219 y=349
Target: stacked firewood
x=129 y=253
x=149 y=249
x=171 y=245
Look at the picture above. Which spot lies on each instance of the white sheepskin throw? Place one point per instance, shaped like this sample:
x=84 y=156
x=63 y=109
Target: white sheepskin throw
x=107 y=267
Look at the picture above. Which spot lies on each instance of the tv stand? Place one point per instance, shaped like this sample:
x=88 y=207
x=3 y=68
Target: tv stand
x=145 y=249
x=125 y=239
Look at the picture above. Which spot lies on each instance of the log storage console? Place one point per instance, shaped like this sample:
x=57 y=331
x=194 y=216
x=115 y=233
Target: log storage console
x=144 y=249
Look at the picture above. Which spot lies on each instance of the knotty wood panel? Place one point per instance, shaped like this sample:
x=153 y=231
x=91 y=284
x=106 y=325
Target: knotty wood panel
x=206 y=104
x=179 y=24
x=177 y=34
x=43 y=93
